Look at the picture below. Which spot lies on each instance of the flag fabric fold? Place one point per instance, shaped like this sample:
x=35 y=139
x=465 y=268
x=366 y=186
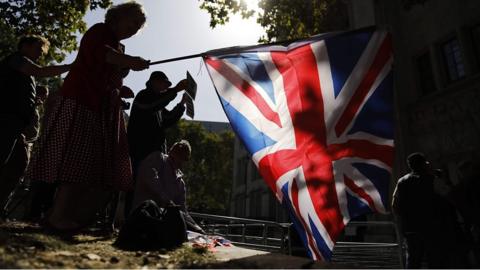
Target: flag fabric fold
x=317 y=118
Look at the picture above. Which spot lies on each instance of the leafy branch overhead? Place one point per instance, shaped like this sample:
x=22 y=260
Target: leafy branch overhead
x=58 y=20
x=283 y=19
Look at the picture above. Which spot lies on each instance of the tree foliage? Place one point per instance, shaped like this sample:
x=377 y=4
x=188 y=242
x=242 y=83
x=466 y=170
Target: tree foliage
x=57 y=20
x=284 y=19
x=208 y=174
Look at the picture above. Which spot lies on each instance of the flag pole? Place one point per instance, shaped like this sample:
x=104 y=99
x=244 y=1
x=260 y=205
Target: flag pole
x=235 y=49
x=177 y=59
x=216 y=51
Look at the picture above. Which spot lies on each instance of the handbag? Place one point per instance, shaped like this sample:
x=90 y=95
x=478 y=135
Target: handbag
x=150 y=227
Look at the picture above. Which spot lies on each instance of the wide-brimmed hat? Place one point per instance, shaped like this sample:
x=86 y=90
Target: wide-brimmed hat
x=158 y=75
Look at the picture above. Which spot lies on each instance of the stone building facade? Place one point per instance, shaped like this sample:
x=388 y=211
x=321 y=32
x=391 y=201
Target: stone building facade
x=437 y=80
x=437 y=92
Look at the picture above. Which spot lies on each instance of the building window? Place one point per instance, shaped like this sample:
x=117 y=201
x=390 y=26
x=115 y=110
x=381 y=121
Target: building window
x=453 y=59
x=425 y=74
x=476 y=42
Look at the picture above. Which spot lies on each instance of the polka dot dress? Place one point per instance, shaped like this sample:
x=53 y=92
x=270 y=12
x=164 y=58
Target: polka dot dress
x=79 y=145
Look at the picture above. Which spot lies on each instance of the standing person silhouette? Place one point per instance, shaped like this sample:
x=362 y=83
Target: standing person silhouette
x=149 y=120
x=18 y=87
x=84 y=145
x=420 y=213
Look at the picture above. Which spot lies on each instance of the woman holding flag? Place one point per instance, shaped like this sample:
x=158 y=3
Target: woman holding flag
x=84 y=146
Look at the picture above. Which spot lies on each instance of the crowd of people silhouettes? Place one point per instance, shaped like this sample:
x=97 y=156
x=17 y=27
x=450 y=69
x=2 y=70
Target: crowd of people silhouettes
x=86 y=154
x=82 y=157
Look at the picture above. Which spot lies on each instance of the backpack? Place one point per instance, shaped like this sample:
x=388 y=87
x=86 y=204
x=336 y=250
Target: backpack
x=150 y=227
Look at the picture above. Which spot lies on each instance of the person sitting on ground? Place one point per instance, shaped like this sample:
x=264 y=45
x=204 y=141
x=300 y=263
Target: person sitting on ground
x=160 y=179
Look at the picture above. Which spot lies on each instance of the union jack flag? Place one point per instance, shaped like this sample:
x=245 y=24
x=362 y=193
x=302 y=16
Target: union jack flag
x=317 y=118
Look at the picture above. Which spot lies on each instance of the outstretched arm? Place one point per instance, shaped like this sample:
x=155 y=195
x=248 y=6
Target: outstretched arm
x=171 y=117
x=32 y=69
x=145 y=102
x=126 y=61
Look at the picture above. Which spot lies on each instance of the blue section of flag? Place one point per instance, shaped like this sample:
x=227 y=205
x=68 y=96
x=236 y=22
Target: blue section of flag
x=250 y=64
x=344 y=52
x=356 y=207
x=322 y=246
x=287 y=203
x=298 y=135
x=378 y=176
x=376 y=117
x=253 y=139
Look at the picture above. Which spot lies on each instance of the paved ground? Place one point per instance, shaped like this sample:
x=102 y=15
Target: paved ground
x=24 y=245
x=238 y=257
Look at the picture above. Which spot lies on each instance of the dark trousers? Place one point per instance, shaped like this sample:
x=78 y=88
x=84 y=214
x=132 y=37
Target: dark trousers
x=11 y=130
x=14 y=169
x=421 y=246
x=14 y=155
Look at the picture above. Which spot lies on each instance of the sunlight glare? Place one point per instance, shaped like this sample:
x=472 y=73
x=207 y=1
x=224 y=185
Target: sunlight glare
x=242 y=29
x=252 y=4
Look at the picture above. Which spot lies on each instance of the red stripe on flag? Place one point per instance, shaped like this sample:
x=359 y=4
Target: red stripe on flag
x=383 y=54
x=305 y=103
x=302 y=88
x=246 y=89
x=362 y=149
x=296 y=205
x=273 y=166
x=360 y=192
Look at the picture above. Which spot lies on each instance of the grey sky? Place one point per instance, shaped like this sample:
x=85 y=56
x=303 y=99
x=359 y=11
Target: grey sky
x=177 y=28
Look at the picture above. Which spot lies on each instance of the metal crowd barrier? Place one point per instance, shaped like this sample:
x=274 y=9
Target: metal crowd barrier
x=372 y=251
x=275 y=237
x=253 y=233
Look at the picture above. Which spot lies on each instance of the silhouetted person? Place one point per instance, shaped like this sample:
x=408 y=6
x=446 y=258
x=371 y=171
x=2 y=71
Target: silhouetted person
x=415 y=206
x=18 y=88
x=14 y=170
x=160 y=179
x=84 y=148
x=149 y=120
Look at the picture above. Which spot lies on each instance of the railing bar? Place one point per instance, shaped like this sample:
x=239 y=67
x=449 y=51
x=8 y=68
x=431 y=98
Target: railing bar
x=225 y=218
x=364 y=252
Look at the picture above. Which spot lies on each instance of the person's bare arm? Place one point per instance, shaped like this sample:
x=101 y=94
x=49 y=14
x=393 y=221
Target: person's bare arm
x=126 y=61
x=32 y=69
x=181 y=85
